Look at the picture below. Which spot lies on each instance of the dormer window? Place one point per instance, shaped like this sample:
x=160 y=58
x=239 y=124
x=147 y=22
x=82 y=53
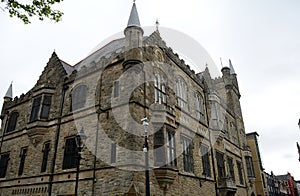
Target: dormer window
x=159 y=89
x=40 y=107
x=79 y=95
x=12 y=121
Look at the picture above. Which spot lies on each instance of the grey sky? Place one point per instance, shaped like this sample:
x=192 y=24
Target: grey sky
x=261 y=37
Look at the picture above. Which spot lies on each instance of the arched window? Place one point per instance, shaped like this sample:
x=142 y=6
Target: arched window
x=159 y=89
x=199 y=106
x=181 y=88
x=12 y=121
x=79 y=95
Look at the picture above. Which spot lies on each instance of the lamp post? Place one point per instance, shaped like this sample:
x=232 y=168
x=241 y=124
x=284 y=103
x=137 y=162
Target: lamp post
x=299 y=123
x=80 y=141
x=145 y=149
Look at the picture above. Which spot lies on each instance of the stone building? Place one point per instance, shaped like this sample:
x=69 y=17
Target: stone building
x=258 y=170
x=197 y=141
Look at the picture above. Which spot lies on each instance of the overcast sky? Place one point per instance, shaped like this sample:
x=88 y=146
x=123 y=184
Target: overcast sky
x=261 y=37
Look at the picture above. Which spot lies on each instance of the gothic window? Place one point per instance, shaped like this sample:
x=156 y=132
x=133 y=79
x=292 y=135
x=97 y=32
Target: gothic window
x=205 y=161
x=234 y=133
x=46 y=150
x=40 y=107
x=79 y=95
x=181 y=88
x=230 y=167
x=159 y=89
x=113 y=155
x=187 y=149
x=225 y=125
x=116 y=88
x=220 y=164
x=12 y=121
x=250 y=170
x=23 y=155
x=199 y=106
x=239 y=167
x=70 y=154
x=4 y=158
x=164 y=148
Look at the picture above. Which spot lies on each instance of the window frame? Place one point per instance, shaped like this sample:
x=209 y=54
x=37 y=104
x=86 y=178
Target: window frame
x=240 y=171
x=79 y=97
x=12 y=121
x=206 y=168
x=41 y=107
x=4 y=159
x=220 y=164
x=46 y=151
x=23 y=155
x=199 y=103
x=182 y=93
x=70 y=156
x=231 y=168
x=187 y=154
x=159 y=89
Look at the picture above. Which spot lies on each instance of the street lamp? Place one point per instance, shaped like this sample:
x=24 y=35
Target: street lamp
x=299 y=123
x=80 y=141
x=145 y=149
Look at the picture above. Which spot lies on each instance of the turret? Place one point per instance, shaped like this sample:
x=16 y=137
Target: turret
x=133 y=39
x=7 y=98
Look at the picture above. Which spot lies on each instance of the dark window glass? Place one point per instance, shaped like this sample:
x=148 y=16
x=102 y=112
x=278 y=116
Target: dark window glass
x=220 y=164
x=239 y=167
x=171 y=149
x=159 y=89
x=46 y=107
x=113 y=156
x=70 y=154
x=187 y=149
x=46 y=151
x=22 y=160
x=116 y=88
x=159 y=150
x=205 y=161
x=249 y=164
x=35 y=108
x=12 y=121
x=79 y=95
x=231 y=168
x=3 y=164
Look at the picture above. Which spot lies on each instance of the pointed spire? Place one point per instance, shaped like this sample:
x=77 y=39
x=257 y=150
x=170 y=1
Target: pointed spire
x=231 y=68
x=9 y=93
x=134 y=20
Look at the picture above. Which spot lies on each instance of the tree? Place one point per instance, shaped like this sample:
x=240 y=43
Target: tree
x=40 y=8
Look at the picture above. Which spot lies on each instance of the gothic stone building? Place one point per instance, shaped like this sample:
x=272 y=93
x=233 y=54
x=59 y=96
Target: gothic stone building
x=197 y=143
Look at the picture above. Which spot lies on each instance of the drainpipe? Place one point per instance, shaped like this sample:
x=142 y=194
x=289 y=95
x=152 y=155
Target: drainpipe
x=64 y=89
x=95 y=155
x=211 y=147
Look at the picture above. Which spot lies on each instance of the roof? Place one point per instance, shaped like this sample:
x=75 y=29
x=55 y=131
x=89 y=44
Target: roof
x=134 y=20
x=9 y=93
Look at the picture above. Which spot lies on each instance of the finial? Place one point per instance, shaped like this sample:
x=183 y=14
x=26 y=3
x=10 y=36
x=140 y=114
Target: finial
x=157 y=24
x=134 y=1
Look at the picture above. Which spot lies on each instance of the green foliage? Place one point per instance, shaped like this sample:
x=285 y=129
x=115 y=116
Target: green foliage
x=40 y=8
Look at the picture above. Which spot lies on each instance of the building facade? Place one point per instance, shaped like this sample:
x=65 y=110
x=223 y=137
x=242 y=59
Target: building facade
x=197 y=141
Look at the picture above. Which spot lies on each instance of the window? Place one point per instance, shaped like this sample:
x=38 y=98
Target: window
x=250 y=171
x=46 y=107
x=45 y=151
x=35 y=108
x=234 y=133
x=181 y=93
x=116 y=88
x=39 y=109
x=220 y=164
x=79 y=94
x=70 y=154
x=4 y=158
x=159 y=89
x=199 y=106
x=23 y=155
x=231 y=168
x=164 y=153
x=187 y=149
x=12 y=121
x=239 y=167
x=205 y=160
x=113 y=156
x=171 y=154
